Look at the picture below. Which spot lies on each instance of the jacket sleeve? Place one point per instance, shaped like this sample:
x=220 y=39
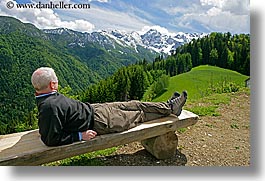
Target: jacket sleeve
x=51 y=129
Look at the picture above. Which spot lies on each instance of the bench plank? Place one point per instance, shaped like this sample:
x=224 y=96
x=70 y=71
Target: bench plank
x=26 y=148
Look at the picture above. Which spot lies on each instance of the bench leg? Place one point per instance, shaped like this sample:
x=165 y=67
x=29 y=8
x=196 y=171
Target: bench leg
x=163 y=146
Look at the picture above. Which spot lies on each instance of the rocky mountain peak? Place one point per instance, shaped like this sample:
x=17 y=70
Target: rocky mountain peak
x=152 y=39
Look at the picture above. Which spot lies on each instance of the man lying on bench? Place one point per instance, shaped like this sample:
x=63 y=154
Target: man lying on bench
x=62 y=120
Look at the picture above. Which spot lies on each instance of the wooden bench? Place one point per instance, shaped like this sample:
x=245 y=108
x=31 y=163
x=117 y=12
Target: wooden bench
x=157 y=136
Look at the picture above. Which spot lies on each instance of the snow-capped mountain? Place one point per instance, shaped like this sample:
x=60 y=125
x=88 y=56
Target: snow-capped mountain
x=152 y=39
x=165 y=43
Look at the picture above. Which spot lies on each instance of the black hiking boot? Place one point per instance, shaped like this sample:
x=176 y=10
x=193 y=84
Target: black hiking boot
x=175 y=95
x=177 y=103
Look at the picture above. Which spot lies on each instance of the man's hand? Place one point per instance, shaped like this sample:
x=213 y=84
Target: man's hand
x=88 y=134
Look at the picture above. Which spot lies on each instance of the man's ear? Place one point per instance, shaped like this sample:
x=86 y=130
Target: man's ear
x=51 y=85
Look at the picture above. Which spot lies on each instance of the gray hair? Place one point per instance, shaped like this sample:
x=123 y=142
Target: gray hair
x=42 y=77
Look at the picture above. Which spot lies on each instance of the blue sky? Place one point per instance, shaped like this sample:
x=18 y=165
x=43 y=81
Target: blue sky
x=136 y=15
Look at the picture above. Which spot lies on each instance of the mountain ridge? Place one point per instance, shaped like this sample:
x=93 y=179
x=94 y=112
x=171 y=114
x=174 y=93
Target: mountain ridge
x=152 y=39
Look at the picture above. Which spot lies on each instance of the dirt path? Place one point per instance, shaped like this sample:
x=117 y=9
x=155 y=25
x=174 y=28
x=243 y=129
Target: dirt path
x=214 y=141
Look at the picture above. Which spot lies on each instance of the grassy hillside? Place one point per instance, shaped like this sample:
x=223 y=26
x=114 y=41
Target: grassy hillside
x=199 y=79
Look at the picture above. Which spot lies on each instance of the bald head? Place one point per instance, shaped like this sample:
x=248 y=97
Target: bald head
x=42 y=79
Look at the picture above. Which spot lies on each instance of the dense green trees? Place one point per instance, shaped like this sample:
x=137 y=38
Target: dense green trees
x=222 y=50
x=173 y=65
x=126 y=84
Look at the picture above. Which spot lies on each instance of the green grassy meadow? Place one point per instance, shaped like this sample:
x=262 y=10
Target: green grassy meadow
x=199 y=79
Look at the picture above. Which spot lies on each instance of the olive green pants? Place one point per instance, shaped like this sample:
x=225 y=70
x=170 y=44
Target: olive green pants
x=121 y=116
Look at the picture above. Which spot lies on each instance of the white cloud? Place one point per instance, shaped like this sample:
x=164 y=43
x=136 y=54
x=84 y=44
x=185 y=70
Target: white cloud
x=156 y=27
x=110 y=18
x=79 y=25
x=217 y=3
x=44 y=18
x=227 y=22
x=214 y=11
x=232 y=6
x=226 y=15
x=239 y=7
x=213 y=15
